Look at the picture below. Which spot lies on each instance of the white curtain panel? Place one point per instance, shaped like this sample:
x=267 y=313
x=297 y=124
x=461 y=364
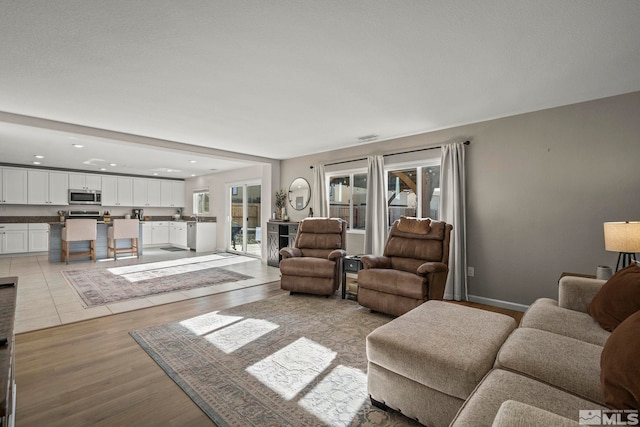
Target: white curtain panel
x=377 y=217
x=453 y=210
x=319 y=199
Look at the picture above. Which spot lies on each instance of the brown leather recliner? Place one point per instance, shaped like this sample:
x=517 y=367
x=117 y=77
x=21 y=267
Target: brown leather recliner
x=412 y=270
x=314 y=264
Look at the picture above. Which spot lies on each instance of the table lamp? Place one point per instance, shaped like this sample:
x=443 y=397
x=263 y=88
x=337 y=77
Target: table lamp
x=624 y=238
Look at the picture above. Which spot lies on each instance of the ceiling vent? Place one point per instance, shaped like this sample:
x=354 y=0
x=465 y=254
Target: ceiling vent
x=367 y=138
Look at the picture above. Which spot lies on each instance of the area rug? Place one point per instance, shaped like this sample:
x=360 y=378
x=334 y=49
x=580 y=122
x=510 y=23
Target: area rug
x=100 y=286
x=290 y=360
x=173 y=249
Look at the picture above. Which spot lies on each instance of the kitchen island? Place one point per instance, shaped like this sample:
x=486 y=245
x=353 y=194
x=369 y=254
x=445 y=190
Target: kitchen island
x=55 y=242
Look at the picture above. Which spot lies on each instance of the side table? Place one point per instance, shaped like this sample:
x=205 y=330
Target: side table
x=351 y=264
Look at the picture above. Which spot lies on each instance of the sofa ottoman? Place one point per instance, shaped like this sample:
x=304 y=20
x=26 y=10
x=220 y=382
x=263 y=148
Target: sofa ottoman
x=428 y=361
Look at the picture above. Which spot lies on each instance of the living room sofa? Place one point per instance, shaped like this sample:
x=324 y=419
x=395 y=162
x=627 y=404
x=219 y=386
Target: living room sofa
x=549 y=368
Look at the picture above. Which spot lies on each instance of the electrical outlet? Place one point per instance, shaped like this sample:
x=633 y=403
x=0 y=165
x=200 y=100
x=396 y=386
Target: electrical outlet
x=471 y=271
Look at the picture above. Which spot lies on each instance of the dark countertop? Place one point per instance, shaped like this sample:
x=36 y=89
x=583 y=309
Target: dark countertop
x=28 y=219
x=56 y=220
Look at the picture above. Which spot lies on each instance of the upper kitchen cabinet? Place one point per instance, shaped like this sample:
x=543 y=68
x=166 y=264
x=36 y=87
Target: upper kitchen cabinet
x=80 y=181
x=47 y=188
x=117 y=191
x=13 y=186
x=146 y=192
x=172 y=194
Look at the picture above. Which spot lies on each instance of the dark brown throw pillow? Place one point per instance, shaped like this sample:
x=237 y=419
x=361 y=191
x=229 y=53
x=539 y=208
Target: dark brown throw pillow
x=618 y=298
x=620 y=366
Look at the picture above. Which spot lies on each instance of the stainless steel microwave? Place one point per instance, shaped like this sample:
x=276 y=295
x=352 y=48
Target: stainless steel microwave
x=85 y=197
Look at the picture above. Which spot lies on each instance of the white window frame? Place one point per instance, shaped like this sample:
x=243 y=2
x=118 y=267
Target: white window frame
x=419 y=165
x=195 y=204
x=350 y=173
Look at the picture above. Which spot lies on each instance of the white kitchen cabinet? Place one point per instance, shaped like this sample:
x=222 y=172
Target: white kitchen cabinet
x=117 y=191
x=178 y=234
x=38 y=237
x=47 y=188
x=13 y=186
x=14 y=238
x=172 y=194
x=80 y=181
x=159 y=233
x=146 y=192
x=147 y=233
x=154 y=192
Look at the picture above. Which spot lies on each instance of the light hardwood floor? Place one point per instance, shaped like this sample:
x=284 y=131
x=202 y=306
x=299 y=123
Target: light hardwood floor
x=92 y=373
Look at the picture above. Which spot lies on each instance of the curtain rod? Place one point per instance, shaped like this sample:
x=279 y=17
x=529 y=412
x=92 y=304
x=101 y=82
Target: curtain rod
x=390 y=154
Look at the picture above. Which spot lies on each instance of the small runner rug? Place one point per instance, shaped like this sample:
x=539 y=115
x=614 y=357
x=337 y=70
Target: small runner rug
x=100 y=286
x=290 y=360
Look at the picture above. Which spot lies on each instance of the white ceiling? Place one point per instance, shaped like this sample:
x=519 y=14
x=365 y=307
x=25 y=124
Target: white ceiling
x=285 y=78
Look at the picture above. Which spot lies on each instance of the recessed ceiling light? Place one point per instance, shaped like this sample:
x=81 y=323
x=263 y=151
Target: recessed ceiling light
x=155 y=173
x=103 y=169
x=78 y=145
x=38 y=156
x=192 y=161
x=169 y=170
x=36 y=163
x=112 y=164
x=193 y=174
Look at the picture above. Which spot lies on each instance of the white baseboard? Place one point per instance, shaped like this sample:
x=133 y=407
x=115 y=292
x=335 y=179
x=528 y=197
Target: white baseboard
x=498 y=303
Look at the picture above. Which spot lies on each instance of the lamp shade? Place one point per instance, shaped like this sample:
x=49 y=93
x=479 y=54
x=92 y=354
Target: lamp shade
x=622 y=236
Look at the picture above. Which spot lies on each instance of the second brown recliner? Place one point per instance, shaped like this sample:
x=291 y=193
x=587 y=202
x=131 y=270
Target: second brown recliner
x=314 y=264
x=412 y=270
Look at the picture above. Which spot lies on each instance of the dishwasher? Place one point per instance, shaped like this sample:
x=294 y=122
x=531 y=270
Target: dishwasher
x=191 y=235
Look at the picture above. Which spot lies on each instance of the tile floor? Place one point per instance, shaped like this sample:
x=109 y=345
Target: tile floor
x=45 y=299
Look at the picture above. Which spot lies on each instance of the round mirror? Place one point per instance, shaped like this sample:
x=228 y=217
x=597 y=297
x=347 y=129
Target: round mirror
x=299 y=193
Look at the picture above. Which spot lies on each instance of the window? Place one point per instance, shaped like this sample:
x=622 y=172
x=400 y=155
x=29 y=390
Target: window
x=414 y=192
x=411 y=191
x=348 y=199
x=201 y=202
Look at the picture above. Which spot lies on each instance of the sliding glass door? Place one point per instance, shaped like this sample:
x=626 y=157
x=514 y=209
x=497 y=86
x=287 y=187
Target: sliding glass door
x=245 y=231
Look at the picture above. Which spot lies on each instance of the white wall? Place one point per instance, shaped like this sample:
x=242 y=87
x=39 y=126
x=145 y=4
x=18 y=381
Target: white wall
x=217 y=183
x=539 y=186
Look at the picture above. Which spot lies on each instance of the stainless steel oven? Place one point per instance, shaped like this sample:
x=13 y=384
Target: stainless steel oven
x=85 y=197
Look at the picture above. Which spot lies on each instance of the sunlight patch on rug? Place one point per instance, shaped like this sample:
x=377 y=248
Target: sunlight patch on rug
x=289 y=370
x=208 y=322
x=135 y=273
x=240 y=334
x=338 y=397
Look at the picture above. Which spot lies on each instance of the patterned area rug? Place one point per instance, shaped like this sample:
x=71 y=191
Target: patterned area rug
x=104 y=286
x=291 y=360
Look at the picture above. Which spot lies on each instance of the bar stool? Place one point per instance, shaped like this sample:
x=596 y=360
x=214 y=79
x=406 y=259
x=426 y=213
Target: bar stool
x=76 y=230
x=123 y=229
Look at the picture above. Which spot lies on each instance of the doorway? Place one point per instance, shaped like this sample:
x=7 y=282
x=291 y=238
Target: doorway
x=245 y=229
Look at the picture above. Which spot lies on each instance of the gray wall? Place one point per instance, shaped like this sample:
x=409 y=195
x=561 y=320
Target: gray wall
x=539 y=187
